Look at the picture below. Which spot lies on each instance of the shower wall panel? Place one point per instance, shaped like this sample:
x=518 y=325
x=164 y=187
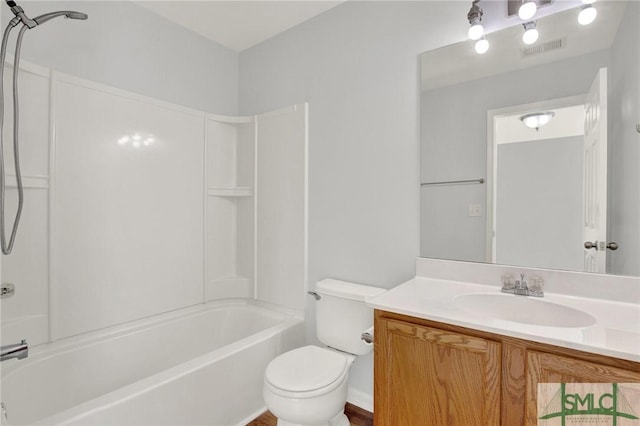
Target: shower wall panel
x=135 y=207
x=281 y=191
x=127 y=206
x=25 y=314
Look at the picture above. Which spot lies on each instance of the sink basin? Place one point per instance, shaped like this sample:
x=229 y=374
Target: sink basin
x=523 y=309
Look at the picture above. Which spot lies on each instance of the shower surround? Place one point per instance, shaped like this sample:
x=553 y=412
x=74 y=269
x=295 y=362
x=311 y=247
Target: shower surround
x=135 y=207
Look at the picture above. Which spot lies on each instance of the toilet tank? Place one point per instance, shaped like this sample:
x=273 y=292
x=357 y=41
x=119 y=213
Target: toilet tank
x=342 y=314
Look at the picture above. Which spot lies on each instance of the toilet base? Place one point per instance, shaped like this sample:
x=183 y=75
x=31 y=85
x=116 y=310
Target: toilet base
x=339 y=420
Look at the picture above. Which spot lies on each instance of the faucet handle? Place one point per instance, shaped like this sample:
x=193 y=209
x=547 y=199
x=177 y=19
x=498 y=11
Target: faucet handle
x=536 y=287
x=507 y=282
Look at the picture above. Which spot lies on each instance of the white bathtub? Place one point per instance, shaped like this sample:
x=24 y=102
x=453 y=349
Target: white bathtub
x=200 y=365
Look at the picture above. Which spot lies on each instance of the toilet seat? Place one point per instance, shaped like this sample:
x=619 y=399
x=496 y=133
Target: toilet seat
x=306 y=372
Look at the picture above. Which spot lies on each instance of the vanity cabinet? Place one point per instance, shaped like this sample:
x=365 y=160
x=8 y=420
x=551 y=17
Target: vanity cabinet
x=426 y=373
x=430 y=373
x=551 y=368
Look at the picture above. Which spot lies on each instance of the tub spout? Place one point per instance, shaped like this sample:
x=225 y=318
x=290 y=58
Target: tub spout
x=17 y=350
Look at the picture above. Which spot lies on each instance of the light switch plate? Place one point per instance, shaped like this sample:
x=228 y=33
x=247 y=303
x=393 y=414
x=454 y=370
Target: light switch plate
x=475 y=210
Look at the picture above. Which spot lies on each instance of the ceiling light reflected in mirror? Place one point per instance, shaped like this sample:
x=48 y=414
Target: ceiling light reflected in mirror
x=531 y=34
x=587 y=15
x=482 y=45
x=535 y=120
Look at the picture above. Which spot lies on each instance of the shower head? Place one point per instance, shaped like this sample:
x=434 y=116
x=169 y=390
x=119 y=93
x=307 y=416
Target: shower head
x=66 y=13
x=77 y=15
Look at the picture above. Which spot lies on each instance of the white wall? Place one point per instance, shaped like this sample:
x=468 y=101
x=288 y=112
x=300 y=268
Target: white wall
x=454 y=123
x=357 y=66
x=624 y=146
x=539 y=204
x=126 y=46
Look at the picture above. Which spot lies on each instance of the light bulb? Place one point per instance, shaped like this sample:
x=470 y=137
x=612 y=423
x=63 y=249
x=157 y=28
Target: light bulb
x=482 y=46
x=530 y=32
x=476 y=30
x=587 y=15
x=530 y=36
x=527 y=10
x=475 y=18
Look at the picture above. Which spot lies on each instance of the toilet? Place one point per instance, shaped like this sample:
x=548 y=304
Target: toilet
x=308 y=386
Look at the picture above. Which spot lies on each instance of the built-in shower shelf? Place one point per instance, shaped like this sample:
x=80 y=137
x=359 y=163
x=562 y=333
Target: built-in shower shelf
x=241 y=191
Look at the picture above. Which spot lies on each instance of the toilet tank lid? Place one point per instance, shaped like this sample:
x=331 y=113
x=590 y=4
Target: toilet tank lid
x=347 y=290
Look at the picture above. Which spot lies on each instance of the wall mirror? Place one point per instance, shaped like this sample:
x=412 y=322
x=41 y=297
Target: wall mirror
x=562 y=195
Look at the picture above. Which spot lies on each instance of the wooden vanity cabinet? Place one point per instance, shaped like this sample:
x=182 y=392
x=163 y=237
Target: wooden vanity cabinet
x=551 y=368
x=435 y=374
x=427 y=373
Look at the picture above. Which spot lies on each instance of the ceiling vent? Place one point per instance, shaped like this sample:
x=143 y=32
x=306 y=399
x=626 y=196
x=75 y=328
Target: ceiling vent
x=544 y=47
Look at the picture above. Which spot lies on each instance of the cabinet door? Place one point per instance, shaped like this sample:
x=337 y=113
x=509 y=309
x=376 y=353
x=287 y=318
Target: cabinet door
x=426 y=376
x=548 y=368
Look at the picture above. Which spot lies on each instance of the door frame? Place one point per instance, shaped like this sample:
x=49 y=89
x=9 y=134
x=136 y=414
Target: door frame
x=492 y=114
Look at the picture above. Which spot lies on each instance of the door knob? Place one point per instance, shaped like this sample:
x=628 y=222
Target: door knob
x=600 y=246
x=589 y=245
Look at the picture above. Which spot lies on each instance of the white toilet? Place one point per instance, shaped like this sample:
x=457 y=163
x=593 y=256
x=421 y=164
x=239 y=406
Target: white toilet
x=308 y=386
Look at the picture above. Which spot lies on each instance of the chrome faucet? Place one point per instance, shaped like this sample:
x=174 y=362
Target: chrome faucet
x=522 y=289
x=17 y=350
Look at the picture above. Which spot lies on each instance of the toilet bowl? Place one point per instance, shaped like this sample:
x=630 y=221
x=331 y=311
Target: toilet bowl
x=308 y=386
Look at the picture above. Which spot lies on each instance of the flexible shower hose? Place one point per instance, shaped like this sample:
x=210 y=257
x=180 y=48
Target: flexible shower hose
x=28 y=23
x=7 y=247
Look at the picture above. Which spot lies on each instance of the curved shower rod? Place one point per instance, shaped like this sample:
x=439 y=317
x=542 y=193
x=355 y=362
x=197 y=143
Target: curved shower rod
x=27 y=24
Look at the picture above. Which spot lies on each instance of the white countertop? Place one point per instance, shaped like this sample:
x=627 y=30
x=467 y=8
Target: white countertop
x=616 y=331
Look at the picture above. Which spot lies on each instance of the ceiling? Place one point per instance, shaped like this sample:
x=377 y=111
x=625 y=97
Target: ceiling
x=459 y=62
x=238 y=24
x=241 y=24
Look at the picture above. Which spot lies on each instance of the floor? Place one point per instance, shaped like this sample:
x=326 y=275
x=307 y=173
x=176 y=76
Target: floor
x=357 y=417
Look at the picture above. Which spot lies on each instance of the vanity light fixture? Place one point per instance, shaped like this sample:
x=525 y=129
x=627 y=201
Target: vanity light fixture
x=536 y=120
x=530 y=35
x=482 y=45
x=527 y=10
x=587 y=15
x=476 y=31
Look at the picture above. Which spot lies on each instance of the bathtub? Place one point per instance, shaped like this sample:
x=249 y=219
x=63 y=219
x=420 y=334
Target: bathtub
x=196 y=366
